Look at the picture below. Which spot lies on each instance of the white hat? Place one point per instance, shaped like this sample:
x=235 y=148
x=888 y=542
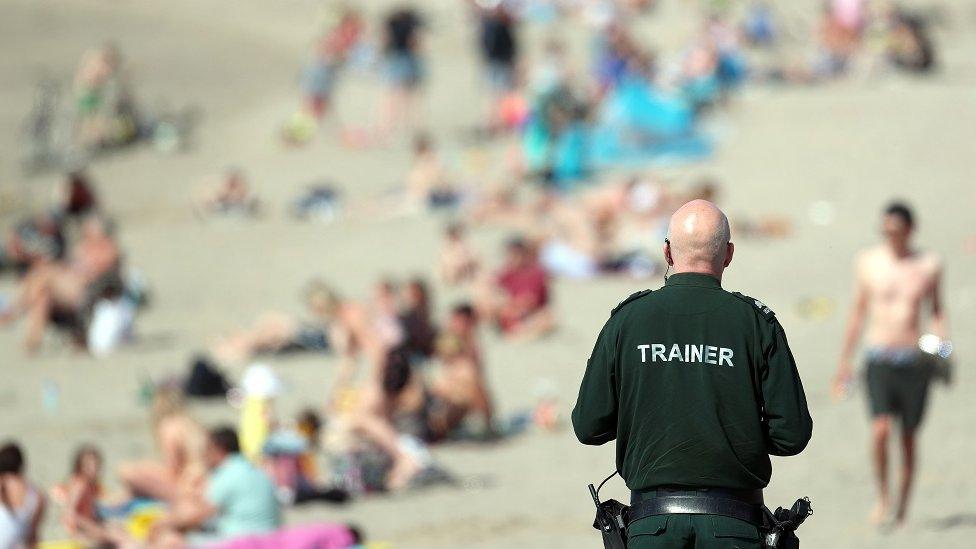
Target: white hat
x=261 y=381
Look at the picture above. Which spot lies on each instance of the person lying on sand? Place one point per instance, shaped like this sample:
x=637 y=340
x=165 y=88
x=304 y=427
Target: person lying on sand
x=230 y=196
x=277 y=332
x=64 y=287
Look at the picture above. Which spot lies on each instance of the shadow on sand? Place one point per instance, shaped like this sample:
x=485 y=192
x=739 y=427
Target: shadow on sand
x=958 y=520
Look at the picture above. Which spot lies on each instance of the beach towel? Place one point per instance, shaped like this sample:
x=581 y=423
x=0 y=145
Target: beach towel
x=638 y=124
x=313 y=536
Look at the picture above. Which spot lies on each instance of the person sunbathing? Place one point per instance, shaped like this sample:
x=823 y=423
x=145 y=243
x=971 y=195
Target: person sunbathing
x=238 y=500
x=22 y=506
x=98 y=76
x=401 y=402
x=458 y=388
x=419 y=331
x=428 y=183
x=66 y=288
x=79 y=495
x=230 y=196
x=458 y=262
x=277 y=332
x=517 y=301
x=31 y=241
x=181 y=440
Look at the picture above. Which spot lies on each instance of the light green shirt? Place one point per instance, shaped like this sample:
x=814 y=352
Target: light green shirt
x=244 y=497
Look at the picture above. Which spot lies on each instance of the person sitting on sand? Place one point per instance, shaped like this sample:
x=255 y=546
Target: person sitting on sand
x=181 y=441
x=80 y=495
x=909 y=45
x=39 y=238
x=22 y=505
x=231 y=196
x=66 y=288
x=419 y=331
x=518 y=301
x=428 y=183
x=289 y=456
x=239 y=500
x=402 y=401
x=105 y=115
x=458 y=262
x=384 y=323
x=76 y=197
x=459 y=387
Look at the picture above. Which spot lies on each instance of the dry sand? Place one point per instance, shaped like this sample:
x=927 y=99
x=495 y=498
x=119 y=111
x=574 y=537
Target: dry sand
x=855 y=144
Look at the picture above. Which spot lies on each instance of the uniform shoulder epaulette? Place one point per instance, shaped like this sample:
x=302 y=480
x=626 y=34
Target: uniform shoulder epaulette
x=761 y=307
x=634 y=296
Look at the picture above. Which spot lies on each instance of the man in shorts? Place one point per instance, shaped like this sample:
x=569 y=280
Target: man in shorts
x=894 y=283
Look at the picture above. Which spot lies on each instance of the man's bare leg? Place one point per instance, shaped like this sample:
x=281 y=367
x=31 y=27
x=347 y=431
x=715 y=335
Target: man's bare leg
x=38 y=317
x=379 y=430
x=149 y=479
x=880 y=431
x=535 y=326
x=271 y=332
x=907 y=475
x=372 y=422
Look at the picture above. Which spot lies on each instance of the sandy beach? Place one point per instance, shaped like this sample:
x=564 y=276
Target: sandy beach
x=850 y=146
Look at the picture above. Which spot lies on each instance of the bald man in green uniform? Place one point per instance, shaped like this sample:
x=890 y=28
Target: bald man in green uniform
x=698 y=387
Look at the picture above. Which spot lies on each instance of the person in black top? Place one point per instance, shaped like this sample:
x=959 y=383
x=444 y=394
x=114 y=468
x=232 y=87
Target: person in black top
x=499 y=51
x=403 y=67
x=698 y=386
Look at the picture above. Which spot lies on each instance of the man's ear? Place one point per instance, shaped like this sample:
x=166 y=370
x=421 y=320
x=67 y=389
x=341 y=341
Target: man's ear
x=667 y=254
x=729 y=252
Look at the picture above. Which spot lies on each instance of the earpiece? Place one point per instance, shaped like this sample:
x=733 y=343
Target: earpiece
x=667 y=257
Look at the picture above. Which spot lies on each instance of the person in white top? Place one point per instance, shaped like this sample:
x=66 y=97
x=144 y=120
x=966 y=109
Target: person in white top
x=21 y=504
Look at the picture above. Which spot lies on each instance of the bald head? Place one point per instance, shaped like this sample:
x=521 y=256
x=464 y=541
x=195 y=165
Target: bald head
x=699 y=235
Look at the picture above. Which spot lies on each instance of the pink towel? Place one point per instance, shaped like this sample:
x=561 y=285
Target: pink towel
x=312 y=536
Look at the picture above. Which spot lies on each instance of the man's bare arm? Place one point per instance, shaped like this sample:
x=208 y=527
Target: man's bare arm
x=852 y=333
x=940 y=321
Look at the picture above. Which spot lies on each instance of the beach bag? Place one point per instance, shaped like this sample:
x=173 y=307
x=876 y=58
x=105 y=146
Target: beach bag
x=111 y=325
x=205 y=380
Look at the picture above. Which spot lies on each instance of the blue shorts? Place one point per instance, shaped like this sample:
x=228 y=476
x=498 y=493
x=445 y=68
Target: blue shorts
x=404 y=70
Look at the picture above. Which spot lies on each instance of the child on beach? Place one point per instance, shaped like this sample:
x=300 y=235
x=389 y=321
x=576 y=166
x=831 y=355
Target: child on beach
x=80 y=494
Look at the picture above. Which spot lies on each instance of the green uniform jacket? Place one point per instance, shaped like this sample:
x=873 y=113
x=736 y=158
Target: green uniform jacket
x=698 y=386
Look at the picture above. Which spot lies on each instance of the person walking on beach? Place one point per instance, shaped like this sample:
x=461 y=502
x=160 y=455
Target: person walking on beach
x=894 y=282
x=699 y=387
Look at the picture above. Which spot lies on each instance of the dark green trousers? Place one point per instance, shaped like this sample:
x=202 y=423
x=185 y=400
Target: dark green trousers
x=692 y=532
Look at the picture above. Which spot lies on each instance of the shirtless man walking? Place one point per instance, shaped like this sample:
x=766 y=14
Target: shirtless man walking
x=894 y=283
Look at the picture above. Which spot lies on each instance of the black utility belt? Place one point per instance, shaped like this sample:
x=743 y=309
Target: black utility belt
x=697 y=502
x=777 y=528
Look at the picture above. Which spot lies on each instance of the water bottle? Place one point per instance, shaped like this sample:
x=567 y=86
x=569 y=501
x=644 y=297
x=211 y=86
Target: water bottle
x=50 y=397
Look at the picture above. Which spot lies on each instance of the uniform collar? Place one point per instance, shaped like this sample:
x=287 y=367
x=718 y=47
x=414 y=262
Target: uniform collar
x=693 y=279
